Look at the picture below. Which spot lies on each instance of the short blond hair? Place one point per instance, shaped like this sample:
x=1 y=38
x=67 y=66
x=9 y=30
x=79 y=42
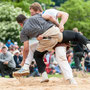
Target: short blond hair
x=36 y=6
x=75 y=29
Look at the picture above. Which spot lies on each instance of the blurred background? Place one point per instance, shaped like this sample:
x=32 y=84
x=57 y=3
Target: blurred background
x=79 y=17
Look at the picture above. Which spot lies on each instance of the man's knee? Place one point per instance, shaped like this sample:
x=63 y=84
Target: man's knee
x=1 y=64
x=37 y=57
x=77 y=35
x=36 y=54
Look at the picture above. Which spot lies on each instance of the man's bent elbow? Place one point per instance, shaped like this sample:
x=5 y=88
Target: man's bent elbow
x=67 y=14
x=26 y=50
x=50 y=17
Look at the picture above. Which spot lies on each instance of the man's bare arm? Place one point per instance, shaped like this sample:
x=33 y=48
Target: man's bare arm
x=25 y=52
x=64 y=17
x=50 y=18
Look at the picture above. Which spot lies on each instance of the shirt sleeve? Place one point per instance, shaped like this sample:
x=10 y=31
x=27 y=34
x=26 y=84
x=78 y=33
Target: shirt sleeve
x=1 y=60
x=52 y=12
x=23 y=37
x=8 y=58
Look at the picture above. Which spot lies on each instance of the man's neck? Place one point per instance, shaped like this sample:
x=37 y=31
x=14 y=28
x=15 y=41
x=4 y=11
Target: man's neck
x=4 y=53
x=24 y=21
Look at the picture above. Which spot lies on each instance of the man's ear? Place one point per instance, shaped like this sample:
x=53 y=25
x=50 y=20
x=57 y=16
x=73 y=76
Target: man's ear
x=21 y=24
x=38 y=11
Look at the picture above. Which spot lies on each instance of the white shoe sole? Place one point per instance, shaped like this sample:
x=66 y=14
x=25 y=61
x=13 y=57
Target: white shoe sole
x=47 y=80
x=88 y=46
x=16 y=74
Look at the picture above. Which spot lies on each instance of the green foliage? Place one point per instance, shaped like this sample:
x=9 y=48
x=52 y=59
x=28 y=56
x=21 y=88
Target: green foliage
x=79 y=15
x=59 y=2
x=9 y=28
x=46 y=2
x=24 y=5
x=55 y=75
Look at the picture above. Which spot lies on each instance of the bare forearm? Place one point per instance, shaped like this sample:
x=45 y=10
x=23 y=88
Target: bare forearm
x=51 y=18
x=64 y=18
x=25 y=53
x=54 y=21
x=1 y=60
x=25 y=50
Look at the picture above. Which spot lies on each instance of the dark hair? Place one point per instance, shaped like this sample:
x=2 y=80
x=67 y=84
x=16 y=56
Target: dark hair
x=32 y=62
x=36 y=6
x=4 y=47
x=20 y=18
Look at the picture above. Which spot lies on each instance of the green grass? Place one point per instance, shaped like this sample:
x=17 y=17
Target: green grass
x=52 y=75
x=55 y=75
x=6 y=76
x=59 y=75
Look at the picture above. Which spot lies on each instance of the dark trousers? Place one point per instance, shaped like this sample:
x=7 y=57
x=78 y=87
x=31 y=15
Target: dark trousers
x=68 y=35
x=39 y=60
x=4 y=69
x=77 y=58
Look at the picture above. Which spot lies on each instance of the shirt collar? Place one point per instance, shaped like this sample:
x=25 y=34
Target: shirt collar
x=24 y=21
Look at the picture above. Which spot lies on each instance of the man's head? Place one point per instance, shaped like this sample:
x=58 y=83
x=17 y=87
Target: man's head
x=9 y=41
x=4 y=49
x=17 y=53
x=35 y=8
x=20 y=19
x=89 y=54
x=75 y=29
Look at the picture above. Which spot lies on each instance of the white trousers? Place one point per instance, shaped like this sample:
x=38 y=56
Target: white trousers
x=29 y=58
x=63 y=62
x=60 y=56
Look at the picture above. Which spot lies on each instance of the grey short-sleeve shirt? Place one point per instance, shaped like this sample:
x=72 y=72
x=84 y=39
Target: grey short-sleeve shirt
x=34 y=26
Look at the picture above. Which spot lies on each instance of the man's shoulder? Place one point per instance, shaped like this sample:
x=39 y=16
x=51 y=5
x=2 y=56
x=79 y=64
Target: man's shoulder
x=87 y=58
x=0 y=54
x=25 y=27
x=51 y=10
x=9 y=53
x=27 y=23
x=35 y=17
x=32 y=17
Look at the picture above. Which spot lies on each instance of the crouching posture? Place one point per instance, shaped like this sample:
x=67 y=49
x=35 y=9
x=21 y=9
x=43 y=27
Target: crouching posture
x=51 y=35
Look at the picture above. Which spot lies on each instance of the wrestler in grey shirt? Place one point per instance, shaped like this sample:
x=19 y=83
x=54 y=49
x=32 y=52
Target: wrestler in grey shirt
x=34 y=26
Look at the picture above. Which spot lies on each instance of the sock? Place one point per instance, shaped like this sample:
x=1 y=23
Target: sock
x=26 y=66
x=44 y=76
x=27 y=62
